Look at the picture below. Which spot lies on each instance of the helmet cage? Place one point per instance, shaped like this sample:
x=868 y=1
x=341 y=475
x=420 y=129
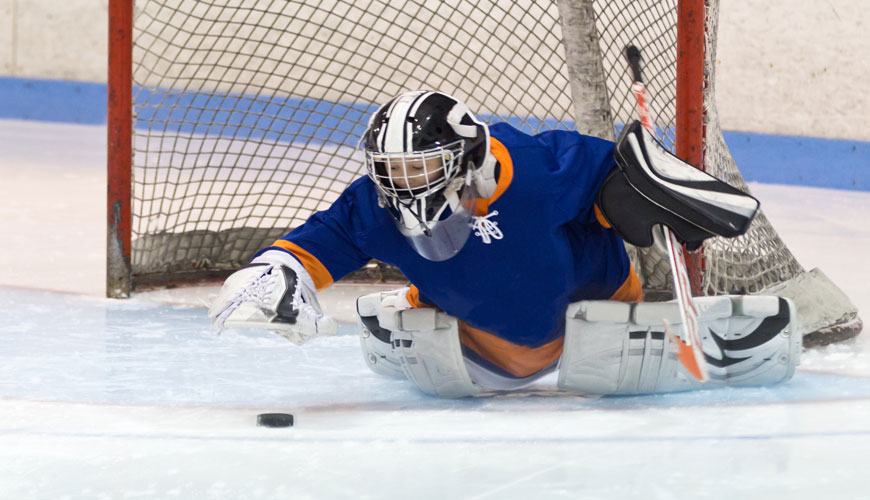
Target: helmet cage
x=422 y=151
x=404 y=177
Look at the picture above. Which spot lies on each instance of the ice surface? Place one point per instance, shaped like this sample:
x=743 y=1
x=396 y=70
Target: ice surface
x=103 y=398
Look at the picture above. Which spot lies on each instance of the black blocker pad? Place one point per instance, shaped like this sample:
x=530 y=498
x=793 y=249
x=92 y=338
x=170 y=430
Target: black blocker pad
x=634 y=217
x=692 y=203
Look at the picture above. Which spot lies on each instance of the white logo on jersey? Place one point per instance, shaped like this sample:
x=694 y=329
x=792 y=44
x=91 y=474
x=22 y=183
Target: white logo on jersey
x=485 y=228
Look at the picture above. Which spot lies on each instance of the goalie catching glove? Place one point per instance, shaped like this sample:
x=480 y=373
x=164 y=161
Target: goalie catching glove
x=276 y=293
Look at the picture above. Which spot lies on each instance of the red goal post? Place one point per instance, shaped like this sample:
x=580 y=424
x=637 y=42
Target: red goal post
x=119 y=153
x=230 y=121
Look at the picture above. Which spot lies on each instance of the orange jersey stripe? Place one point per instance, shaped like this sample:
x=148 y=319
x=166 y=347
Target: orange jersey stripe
x=630 y=290
x=413 y=296
x=505 y=176
x=506 y=173
x=321 y=276
x=522 y=361
x=600 y=217
x=519 y=361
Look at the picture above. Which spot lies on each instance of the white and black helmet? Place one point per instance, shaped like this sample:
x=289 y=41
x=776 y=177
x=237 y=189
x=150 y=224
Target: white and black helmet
x=433 y=202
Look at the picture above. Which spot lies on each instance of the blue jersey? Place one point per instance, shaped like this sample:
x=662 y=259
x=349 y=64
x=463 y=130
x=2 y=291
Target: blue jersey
x=553 y=249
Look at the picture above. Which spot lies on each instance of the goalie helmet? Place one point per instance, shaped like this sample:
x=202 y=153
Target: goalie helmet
x=428 y=156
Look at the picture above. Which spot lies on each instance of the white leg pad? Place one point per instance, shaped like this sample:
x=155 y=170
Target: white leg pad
x=374 y=338
x=431 y=355
x=421 y=345
x=619 y=348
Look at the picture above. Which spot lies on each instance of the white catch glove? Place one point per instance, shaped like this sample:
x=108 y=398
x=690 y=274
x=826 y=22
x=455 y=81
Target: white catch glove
x=276 y=293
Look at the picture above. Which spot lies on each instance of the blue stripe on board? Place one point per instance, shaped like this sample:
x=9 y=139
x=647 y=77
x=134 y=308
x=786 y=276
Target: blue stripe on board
x=804 y=161
x=53 y=100
x=228 y=115
x=272 y=118
x=831 y=163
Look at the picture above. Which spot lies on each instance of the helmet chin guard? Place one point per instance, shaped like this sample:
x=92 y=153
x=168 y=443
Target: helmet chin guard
x=441 y=239
x=423 y=151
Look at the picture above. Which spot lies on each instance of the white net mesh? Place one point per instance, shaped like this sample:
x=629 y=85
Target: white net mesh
x=759 y=259
x=747 y=264
x=246 y=112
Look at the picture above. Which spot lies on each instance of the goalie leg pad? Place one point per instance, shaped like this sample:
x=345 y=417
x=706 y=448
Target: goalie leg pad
x=431 y=354
x=421 y=345
x=374 y=339
x=651 y=186
x=618 y=348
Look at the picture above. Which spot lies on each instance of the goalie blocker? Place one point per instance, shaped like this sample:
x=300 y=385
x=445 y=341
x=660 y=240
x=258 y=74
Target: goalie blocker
x=651 y=186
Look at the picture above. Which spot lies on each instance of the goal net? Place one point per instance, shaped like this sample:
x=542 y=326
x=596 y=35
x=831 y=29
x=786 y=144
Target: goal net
x=246 y=114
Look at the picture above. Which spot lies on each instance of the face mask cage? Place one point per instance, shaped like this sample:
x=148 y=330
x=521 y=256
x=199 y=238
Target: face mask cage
x=403 y=178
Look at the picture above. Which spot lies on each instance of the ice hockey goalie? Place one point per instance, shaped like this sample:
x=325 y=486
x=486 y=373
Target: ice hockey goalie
x=514 y=248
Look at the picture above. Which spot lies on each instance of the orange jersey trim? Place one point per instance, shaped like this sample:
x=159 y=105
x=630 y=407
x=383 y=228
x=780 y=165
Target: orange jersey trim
x=413 y=296
x=505 y=176
x=599 y=215
x=521 y=361
x=630 y=290
x=321 y=276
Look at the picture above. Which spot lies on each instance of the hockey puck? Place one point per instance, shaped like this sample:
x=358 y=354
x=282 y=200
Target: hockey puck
x=275 y=420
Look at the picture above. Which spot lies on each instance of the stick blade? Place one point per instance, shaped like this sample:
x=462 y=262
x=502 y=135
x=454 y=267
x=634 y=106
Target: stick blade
x=687 y=355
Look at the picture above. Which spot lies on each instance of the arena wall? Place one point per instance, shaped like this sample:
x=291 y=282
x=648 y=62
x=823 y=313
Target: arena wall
x=789 y=74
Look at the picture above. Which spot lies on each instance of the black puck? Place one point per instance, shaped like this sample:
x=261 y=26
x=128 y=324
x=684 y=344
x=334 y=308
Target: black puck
x=275 y=420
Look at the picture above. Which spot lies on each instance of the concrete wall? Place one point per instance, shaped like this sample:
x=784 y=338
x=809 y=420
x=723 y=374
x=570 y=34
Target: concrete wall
x=792 y=67
x=57 y=39
x=795 y=67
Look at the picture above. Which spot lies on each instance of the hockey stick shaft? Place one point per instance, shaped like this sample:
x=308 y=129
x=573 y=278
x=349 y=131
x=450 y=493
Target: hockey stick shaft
x=689 y=351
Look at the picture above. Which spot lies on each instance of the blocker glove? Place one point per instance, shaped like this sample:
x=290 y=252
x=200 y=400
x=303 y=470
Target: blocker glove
x=273 y=292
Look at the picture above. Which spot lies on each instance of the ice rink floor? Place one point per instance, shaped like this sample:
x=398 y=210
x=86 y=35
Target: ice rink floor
x=138 y=398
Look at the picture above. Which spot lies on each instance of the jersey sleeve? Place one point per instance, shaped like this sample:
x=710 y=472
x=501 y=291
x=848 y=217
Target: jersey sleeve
x=581 y=164
x=326 y=244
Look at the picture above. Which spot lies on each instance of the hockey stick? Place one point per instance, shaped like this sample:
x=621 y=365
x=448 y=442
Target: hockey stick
x=689 y=351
